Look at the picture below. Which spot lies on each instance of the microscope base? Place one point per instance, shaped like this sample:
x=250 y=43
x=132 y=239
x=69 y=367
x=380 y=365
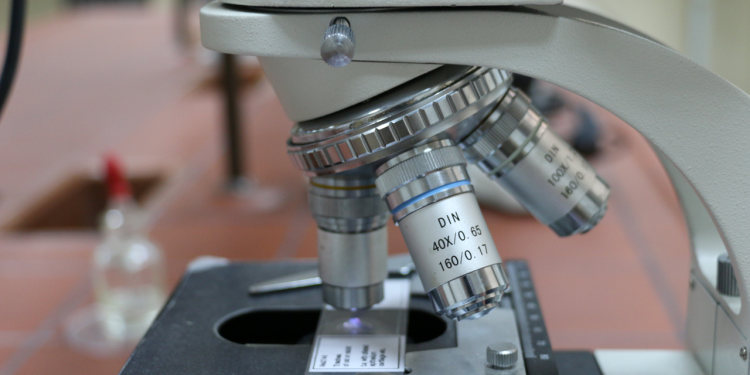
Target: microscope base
x=210 y=325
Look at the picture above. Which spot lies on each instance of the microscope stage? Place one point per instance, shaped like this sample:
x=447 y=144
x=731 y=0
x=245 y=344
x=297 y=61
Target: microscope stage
x=210 y=325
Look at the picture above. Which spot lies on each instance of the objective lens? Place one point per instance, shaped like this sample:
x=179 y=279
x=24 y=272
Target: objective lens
x=516 y=148
x=432 y=201
x=352 y=239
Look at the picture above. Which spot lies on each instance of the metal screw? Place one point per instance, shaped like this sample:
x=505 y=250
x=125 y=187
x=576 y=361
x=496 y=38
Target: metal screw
x=743 y=353
x=692 y=283
x=502 y=355
x=337 y=49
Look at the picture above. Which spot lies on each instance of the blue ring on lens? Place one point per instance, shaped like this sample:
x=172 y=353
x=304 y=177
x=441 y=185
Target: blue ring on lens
x=428 y=193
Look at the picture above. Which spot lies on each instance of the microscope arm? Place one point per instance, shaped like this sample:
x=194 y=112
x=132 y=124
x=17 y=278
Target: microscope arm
x=669 y=99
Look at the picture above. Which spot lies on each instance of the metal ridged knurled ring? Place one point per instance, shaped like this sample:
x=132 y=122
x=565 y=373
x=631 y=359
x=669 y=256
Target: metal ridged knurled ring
x=488 y=137
x=355 y=144
x=347 y=208
x=418 y=166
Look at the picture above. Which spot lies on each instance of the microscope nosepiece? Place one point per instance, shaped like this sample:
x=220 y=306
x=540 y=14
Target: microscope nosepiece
x=407 y=138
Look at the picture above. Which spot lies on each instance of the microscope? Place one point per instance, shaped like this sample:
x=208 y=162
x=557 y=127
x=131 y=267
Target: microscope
x=392 y=101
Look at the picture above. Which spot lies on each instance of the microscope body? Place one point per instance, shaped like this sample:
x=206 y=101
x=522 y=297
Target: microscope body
x=425 y=92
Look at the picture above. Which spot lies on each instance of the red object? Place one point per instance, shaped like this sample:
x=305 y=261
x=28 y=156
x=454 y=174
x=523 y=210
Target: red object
x=118 y=187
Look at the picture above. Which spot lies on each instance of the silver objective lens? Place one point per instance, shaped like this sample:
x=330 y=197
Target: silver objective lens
x=432 y=201
x=352 y=239
x=516 y=148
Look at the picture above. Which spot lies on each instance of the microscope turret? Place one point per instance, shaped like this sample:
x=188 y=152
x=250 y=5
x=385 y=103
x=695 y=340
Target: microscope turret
x=417 y=138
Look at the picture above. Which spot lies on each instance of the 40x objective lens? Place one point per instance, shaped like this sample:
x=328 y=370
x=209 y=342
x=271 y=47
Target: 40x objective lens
x=432 y=201
x=516 y=148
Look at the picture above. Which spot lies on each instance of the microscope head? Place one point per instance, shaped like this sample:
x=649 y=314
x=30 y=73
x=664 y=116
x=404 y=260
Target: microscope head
x=390 y=133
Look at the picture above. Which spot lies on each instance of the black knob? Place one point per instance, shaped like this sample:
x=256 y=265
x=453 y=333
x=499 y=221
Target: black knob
x=726 y=282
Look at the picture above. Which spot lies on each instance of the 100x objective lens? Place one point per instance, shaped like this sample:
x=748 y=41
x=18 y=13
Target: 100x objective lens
x=516 y=148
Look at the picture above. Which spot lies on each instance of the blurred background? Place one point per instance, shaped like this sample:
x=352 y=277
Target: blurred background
x=129 y=79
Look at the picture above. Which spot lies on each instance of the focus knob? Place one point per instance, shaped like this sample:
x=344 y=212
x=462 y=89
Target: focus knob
x=726 y=282
x=337 y=49
x=502 y=355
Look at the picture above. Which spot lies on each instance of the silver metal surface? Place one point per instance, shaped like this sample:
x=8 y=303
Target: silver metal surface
x=398 y=99
x=409 y=176
x=398 y=266
x=340 y=254
x=515 y=147
x=469 y=357
x=428 y=200
x=347 y=203
x=352 y=239
x=502 y=355
x=418 y=162
x=337 y=49
x=449 y=99
x=502 y=139
x=470 y=296
x=352 y=298
x=428 y=190
x=355 y=261
x=294 y=281
x=726 y=282
x=587 y=212
x=441 y=231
